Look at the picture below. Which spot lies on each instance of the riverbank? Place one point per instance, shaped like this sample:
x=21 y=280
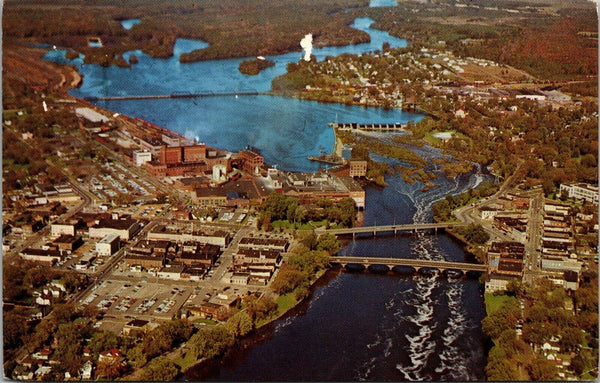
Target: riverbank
x=201 y=369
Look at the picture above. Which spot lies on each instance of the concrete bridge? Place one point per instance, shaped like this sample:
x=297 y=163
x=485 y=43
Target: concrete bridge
x=414 y=227
x=370 y=127
x=175 y=95
x=417 y=264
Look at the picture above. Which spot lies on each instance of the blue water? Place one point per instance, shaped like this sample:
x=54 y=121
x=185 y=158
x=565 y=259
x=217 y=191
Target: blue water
x=382 y=3
x=129 y=23
x=286 y=130
x=369 y=327
x=359 y=326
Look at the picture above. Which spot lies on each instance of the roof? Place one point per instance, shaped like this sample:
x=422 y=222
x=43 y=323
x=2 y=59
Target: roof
x=109 y=238
x=118 y=224
x=137 y=323
x=91 y=115
x=66 y=238
x=49 y=253
x=173 y=269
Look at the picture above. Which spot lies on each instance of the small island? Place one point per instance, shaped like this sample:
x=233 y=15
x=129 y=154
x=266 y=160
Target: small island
x=254 y=66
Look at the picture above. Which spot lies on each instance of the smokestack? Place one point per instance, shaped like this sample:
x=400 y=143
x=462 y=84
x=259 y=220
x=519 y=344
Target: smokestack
x=306 y=44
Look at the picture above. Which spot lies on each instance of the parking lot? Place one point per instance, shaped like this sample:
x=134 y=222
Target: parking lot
x=145 y=211
x=123 y=300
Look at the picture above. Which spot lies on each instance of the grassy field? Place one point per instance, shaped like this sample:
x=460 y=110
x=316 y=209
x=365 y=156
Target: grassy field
x=494 y=302
x=206 y=321
x=286 y=302
x=285 y=224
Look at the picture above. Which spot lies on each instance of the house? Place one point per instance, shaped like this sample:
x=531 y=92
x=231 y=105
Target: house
x=358 y=168
x=41 y=371
x=113 y=353
x=22 y=373
x=209 y=310
x=460 y=113
x=497 y=282
x=86 y=370
x=135 y=327
x=43 y=354
x=239 y=278
x=57 y=229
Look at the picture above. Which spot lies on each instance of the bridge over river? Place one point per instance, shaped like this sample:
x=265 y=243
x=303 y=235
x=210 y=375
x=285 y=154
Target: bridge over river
x=414 y=227
x=369 y=127
x=176 y=95
x=417 y=264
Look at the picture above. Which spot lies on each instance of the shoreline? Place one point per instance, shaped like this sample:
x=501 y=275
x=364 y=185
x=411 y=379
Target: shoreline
x=243 y=345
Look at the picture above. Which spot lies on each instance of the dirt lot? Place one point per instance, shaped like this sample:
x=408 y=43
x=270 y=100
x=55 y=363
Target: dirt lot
x=473 y=72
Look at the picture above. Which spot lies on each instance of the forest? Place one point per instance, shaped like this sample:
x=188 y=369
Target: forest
x=507 y=33
x=235 y=28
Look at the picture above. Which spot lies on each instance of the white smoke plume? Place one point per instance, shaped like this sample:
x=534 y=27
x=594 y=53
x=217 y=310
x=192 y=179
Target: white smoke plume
x=306 y=44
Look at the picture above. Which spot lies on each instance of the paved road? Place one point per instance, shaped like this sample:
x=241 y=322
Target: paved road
x=469 y=214
x=532 y=261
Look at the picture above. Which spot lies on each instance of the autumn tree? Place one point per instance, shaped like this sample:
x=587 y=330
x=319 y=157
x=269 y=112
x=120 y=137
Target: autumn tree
x=110 y=368
x=239 y=324
x=210 y=342
x=259 y=307
x=542 y=369
x=287 y=279
x=159 y=369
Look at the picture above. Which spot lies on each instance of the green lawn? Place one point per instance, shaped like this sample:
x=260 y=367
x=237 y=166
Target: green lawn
x=206 y=321
x=286 y=302
x=185 y=362
x=285 y=224
x=494 y=302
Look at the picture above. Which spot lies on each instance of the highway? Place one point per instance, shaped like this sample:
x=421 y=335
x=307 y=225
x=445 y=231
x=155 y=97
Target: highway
x=532 y=261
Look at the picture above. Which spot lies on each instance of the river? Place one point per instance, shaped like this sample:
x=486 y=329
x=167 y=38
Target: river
x=357 y=326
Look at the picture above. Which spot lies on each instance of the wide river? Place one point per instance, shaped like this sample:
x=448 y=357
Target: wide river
x=357 y=326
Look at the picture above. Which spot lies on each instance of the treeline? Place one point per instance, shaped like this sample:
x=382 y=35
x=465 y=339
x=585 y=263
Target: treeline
x=233 y=29
x=21 y=279
x=302 y=266
x=473 y=233
x=253 y=67
x=555 y=145
x=442 y=209
x=545 y=319
x=280 y=207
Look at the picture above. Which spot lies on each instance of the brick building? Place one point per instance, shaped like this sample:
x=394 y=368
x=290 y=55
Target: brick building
x=251 y=161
